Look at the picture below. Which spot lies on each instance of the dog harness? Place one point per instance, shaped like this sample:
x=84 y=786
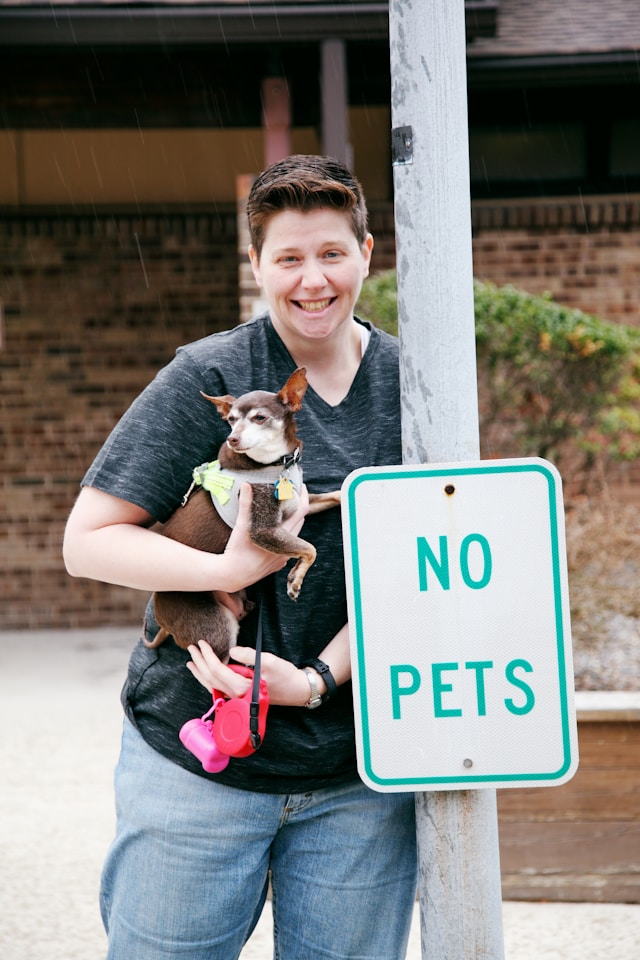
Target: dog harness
x=224 y=485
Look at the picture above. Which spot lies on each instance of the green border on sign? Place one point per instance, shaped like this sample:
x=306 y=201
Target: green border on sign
x=449 y=471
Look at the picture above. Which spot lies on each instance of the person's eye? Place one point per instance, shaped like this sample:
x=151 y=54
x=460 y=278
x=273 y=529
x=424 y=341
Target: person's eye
x=332 y=254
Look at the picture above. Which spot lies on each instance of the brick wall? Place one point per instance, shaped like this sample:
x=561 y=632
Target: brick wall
x=586 y=253
x=94 y=305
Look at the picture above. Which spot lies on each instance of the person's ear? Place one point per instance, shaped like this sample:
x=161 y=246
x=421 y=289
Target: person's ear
x=255 y=264
x=367 y=250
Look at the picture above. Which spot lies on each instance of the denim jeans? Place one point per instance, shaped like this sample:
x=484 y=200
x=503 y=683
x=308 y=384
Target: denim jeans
x=187 y=875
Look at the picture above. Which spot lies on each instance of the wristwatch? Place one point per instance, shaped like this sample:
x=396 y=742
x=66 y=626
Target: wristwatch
x=315 y=700
x=323 y=669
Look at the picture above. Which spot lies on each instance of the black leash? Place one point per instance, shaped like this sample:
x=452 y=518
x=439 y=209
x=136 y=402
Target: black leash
x=254 y=707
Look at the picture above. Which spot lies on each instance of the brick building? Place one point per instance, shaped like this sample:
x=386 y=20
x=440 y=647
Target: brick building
x=124 y=131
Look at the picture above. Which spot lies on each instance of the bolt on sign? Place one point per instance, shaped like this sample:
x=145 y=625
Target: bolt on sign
x=459 y=625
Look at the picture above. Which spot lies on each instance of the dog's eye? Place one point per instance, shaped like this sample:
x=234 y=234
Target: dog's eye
x=232 y=419
x=259 y=418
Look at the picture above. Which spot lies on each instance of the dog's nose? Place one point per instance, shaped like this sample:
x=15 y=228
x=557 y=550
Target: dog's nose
x=233 y=441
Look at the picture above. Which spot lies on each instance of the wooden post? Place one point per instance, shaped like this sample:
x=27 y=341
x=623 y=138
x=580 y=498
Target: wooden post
x=250 y=301
x=460 y=894
x=276 y=119
x=335 y=119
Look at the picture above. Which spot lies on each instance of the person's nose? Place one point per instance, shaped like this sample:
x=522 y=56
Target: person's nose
x=313 y=277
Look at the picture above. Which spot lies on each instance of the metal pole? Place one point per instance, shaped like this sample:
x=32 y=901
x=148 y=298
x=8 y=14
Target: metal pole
x=459 y=863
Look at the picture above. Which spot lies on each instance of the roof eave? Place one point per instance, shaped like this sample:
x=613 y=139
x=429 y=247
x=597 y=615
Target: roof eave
x=613 y=66
x=63 y=26
x=188 y=25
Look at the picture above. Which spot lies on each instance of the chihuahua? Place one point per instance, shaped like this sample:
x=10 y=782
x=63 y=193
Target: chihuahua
x=263 y=449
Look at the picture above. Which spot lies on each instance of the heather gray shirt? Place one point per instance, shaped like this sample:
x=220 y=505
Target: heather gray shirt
x=148 y=460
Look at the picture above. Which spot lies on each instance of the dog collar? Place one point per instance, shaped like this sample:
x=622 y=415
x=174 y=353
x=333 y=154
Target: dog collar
x=290 y=459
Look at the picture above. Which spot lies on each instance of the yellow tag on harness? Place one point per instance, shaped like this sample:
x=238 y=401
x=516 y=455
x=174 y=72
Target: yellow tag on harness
x=283 y=489
x=218 y=485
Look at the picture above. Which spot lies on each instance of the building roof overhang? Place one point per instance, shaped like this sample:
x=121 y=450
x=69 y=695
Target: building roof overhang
x=198 y=23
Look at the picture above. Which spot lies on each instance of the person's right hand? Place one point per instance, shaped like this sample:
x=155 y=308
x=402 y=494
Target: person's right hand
x=250 y=563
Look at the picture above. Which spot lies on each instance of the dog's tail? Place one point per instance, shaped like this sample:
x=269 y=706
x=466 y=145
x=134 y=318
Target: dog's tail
x=157 y=641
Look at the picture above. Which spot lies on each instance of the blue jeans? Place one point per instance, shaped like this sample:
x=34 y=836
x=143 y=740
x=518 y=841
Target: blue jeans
x=187 y=874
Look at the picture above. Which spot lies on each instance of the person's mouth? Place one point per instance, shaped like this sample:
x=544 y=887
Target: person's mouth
x=314 y=306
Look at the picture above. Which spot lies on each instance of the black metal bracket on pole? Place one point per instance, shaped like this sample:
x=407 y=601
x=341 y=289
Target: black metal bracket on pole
x=401 y=146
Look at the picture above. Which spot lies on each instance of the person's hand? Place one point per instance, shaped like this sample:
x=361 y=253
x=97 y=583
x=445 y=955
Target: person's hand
x=212 y=673
x=287 y=685
x=248 y=562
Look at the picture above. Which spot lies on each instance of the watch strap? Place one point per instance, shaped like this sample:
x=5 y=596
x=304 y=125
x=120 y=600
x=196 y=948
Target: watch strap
x=323 y=669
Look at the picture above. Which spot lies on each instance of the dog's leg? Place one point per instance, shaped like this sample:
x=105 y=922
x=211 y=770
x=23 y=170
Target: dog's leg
x=324 y=501
x=299 y=571
x=267 y=532
x=280 y=541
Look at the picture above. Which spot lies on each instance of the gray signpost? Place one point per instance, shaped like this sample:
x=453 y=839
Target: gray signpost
x=460 y=892
x=456 y=568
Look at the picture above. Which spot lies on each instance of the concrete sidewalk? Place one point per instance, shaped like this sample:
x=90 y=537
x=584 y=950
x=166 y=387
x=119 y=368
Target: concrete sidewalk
x=60 y=719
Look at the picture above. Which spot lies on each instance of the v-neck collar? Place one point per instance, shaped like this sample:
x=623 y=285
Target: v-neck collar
x=311 y=396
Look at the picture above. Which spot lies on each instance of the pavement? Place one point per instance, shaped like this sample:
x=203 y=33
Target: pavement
x=60 y=718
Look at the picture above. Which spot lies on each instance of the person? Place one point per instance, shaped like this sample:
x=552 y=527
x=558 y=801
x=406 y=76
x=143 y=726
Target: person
x=195 y=854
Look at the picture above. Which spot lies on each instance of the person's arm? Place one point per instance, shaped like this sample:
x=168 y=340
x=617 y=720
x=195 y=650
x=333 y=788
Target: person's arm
x=337 y=657
x=109 y=539
x=287 y=684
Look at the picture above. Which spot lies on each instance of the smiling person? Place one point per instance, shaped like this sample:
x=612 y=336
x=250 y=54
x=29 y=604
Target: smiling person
x=188 y=872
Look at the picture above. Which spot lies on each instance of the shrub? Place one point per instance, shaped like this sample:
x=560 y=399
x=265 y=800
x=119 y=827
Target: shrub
x=553 y=381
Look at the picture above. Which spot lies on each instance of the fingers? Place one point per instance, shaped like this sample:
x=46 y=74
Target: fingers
x=250 y=563
x=243 y=655
x=245 y=499
x=209 y=671
x=295 y=522
x=304 y=498
x=287 y=685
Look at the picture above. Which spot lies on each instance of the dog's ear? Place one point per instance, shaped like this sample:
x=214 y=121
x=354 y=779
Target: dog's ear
x=294 y=390
x=223 y=404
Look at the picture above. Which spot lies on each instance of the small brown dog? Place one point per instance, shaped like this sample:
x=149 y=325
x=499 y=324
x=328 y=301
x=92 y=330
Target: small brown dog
x=263 y=449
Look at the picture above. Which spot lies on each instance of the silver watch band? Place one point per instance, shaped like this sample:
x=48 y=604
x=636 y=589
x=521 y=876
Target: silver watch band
x=315 y=699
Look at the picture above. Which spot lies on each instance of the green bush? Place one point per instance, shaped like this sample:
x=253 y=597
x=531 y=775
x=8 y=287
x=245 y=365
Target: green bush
x=553 y=381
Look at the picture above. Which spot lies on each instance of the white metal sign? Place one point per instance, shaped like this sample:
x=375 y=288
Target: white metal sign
x=459 y=625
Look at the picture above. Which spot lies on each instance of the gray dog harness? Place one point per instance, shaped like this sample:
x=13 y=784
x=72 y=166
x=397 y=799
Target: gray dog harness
x=224 y=485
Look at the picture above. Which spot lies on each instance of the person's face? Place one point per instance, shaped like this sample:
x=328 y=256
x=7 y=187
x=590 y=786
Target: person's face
x=311 y=271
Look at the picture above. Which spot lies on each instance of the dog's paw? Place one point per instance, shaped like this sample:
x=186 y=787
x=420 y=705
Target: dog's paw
x=294 y=585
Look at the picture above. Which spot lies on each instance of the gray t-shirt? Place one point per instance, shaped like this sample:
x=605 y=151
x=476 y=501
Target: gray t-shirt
x=148 y=460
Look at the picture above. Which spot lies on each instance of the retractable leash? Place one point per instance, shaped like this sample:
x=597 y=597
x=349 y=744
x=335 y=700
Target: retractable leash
x=240 y=722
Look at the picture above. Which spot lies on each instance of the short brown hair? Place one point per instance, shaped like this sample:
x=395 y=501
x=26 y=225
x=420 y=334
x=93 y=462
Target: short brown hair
x=305 y=182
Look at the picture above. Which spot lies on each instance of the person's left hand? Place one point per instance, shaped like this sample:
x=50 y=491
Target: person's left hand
x=287 y=685
x=212 y=673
